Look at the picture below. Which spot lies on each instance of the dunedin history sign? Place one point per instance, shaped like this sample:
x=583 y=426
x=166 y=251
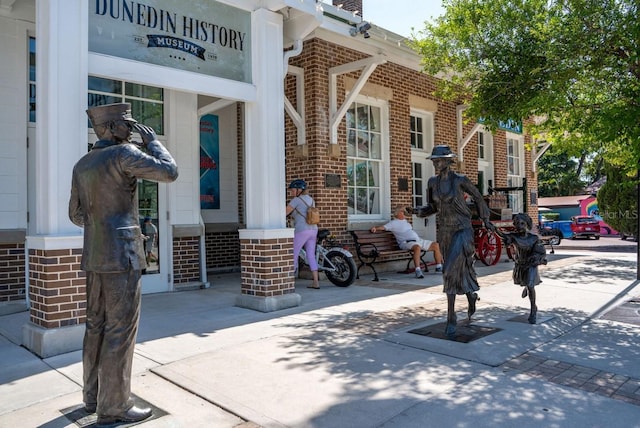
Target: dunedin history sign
x=204 y=37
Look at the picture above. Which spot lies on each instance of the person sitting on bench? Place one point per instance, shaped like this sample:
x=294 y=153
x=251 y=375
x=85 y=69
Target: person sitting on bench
x=409 y=240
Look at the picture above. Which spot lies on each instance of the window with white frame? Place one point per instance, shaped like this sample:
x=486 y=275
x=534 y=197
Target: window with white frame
x=421 y=132
x=417 y=131
x=147 y=102
x=515 y=171
x=365 y=160
x=485 y=161
x=32 y=79
x=481 y=146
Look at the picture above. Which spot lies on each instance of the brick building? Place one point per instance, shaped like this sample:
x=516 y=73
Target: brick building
x=295 y=89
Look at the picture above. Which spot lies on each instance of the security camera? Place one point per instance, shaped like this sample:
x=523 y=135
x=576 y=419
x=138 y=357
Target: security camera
x=361 y=28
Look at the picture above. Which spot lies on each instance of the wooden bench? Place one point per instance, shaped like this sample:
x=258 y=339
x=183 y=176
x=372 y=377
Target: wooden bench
x=380 y=247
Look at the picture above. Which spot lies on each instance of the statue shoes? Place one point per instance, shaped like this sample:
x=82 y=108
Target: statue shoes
x=473 y=298
x=134 y=414
x=533 y=315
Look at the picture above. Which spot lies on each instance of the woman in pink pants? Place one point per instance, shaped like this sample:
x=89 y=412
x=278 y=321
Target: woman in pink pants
x=305 y=234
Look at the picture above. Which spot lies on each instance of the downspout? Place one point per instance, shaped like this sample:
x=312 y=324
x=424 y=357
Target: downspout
x=295 y=51
x=203 y=257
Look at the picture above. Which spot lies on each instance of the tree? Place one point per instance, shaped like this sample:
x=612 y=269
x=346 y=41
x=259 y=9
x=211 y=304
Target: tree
x=617 y=200
x=572 y=65
x=559 y=175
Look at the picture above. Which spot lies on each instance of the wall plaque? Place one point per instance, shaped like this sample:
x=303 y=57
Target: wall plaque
x=403 y=184
x=332 y=180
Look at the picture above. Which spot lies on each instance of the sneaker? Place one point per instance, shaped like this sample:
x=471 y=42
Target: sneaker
x=419 y=273
x=439 y=268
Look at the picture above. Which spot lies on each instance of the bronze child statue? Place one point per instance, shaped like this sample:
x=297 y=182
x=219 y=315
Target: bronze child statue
x=529 y=254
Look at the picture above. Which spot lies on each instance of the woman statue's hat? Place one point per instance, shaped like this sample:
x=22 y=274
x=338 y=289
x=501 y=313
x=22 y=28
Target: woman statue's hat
x=100 y=115
x=442 y=151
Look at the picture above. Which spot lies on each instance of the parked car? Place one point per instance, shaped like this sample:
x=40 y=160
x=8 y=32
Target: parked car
x=585 y=225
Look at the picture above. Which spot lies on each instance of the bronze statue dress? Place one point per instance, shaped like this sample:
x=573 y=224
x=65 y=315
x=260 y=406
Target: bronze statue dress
x=529 y=254
x=455 y=232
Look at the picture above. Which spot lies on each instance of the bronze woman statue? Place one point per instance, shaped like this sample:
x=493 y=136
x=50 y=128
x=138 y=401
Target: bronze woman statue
x=446 y=197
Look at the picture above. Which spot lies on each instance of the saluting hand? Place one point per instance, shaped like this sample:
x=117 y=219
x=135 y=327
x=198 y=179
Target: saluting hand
x=146 y=132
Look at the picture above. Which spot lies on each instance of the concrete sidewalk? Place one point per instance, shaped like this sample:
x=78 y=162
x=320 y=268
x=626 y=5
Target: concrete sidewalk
x=346 y=357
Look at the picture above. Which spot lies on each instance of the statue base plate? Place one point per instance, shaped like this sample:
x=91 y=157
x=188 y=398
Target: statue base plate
x=465 y=332
x=79 y=416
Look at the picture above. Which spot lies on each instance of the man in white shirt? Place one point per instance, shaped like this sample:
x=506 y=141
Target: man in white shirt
x=409 y=240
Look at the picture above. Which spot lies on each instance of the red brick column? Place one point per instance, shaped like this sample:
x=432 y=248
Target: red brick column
x=56 y=288
x=57 y=294
x=266 y=270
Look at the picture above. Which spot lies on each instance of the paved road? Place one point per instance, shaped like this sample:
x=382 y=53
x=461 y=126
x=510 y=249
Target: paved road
x=605 y=243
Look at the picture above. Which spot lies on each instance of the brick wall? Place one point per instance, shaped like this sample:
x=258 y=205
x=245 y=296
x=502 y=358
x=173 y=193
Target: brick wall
x=316 y=59
x=56 y=288
x=313 y=163
x=12 y=272
x=223 y=250
x=350 y=5
x=267 y=267
x=186 y=259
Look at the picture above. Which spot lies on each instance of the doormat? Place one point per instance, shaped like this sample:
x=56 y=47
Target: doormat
x=465 y=333
x=79 y=416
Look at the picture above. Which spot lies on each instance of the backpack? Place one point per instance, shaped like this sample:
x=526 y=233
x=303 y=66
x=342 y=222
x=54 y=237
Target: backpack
x=313 y=213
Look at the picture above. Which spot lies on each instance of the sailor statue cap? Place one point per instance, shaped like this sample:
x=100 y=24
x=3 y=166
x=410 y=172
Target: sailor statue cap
x=100 y=115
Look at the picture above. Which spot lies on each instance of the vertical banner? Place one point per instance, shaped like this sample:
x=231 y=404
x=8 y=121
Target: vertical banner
x=209 y=163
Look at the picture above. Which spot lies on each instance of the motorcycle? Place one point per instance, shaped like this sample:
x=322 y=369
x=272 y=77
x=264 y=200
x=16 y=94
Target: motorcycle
x=336 y=262
x=554 y=234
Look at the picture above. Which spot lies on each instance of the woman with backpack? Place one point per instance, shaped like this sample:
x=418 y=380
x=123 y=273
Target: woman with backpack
x=305 y=234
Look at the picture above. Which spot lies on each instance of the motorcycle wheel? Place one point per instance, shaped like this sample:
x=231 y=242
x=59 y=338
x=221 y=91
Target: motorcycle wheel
x=555 y=240
x=345 y=272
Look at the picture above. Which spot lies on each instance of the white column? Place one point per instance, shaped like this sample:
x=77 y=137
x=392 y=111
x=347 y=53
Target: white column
x=61 y=97
x=265 y=187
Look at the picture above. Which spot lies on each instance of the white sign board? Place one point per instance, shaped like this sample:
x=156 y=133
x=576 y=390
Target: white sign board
x=204 y=37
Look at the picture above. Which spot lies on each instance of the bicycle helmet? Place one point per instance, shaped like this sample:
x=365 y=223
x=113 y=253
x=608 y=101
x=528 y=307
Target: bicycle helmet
x=298 y=184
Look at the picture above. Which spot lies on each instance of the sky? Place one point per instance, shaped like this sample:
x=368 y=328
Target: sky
x=400 y=15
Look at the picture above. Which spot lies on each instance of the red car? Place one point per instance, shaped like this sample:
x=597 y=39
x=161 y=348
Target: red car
x=585 y=225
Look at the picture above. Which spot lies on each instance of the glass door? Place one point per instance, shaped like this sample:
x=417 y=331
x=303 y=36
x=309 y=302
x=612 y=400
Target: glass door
x=154 y=278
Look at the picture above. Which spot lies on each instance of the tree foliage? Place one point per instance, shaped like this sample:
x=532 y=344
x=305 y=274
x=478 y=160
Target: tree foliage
x=617 y=200
x=558 y=175
x=572 y=65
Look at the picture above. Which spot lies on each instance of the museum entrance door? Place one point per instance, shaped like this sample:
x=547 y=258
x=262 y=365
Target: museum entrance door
x=151 y=205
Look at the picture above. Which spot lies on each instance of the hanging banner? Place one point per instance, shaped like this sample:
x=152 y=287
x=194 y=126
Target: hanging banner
x=209 y=163
x=204 y=37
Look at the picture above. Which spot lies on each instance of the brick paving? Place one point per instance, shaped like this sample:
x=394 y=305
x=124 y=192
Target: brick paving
x=584 y=378
x=609 y=384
